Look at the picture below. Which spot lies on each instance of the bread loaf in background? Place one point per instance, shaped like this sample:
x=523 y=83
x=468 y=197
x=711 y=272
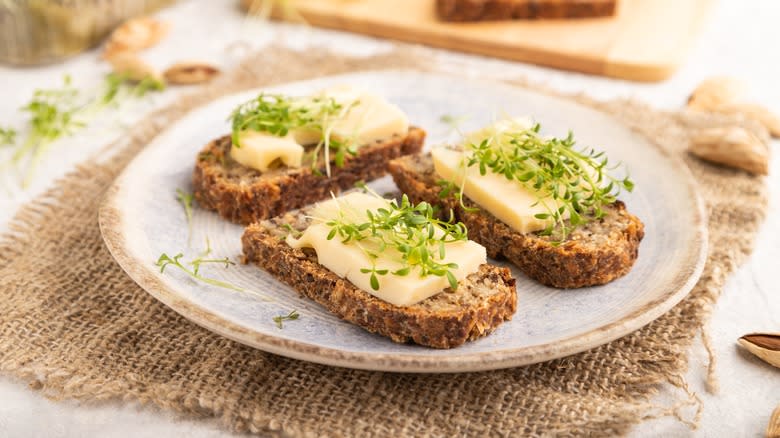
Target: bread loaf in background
x=484 y=10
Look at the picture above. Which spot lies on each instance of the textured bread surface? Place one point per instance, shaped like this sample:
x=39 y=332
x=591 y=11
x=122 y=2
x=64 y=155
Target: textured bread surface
x=594 y=253
x=244 y=195
x=482 y=301
x=484 y=10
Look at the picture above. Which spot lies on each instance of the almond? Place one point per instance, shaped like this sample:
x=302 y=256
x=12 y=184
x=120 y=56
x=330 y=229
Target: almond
x=185 y=73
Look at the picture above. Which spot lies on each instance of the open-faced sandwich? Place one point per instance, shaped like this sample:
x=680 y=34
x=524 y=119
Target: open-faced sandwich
x=285 y=152
x=391 y=267
x=547 y=207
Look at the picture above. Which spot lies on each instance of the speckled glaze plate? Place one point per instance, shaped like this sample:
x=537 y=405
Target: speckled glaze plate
x=140 y=219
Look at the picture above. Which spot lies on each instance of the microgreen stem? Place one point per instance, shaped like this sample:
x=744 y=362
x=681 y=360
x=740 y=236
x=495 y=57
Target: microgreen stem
x=165 y=260
x=186 y=202
x=292 y=316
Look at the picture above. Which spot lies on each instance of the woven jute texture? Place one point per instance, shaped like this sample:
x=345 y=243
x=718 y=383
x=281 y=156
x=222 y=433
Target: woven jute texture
x=73 y=325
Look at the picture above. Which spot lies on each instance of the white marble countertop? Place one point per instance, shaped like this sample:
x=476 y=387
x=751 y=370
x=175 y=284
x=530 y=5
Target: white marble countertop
x=741 y=40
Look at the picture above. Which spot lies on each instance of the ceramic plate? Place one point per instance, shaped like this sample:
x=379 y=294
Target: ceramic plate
x=140 y=219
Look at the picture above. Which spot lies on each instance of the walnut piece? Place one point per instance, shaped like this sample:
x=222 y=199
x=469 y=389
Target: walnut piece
x=185 y=73
x=733 y=146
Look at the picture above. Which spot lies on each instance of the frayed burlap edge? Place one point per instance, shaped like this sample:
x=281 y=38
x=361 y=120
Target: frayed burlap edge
x=75 y=326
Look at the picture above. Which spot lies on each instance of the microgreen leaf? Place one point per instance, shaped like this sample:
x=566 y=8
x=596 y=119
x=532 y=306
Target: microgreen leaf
x=292 y=316
x=374 y=281
x=452 y=280
x=290 y=232
x=7 y=136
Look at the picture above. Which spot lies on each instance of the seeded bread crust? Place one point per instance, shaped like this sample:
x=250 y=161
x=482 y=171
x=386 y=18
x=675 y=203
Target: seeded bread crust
x=592 y=254
x=483 y=300
x=484 y=10
x=244 y=195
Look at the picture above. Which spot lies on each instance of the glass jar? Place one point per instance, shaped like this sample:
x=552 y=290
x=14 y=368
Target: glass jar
x=43 y=31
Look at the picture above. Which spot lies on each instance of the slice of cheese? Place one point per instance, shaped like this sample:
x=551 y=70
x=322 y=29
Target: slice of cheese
x=505 y=199
x=307 y=136
x=366 y=118
x=501 y=127
x=346 y=260
x=258 y=150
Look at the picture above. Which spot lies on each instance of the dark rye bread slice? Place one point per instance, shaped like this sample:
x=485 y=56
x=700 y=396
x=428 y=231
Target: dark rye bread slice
x=594 y=253
x=483 y=300
x=484 y=10
x=244 y=195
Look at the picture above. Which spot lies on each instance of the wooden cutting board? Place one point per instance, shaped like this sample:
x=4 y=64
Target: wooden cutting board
x=646 y=41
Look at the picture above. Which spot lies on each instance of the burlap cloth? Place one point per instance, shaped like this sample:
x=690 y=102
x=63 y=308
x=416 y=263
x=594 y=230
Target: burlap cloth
x=73 y=325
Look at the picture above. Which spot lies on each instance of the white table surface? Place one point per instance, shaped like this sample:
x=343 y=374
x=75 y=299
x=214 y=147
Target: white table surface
x=742 y=40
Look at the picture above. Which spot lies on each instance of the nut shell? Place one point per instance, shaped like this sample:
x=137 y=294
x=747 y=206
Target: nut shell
x=733 y=146
x=134 y=35
x=188 y=73
x=764 y=345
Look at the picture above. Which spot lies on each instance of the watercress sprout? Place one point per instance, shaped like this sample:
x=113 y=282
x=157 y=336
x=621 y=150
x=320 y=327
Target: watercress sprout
x=292 y=316
x=572 y=184
x=413 y=231
x=280 y=115
x=192 y=268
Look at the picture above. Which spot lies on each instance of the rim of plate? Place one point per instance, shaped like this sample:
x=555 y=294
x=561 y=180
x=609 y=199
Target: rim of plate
x=110 y=221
